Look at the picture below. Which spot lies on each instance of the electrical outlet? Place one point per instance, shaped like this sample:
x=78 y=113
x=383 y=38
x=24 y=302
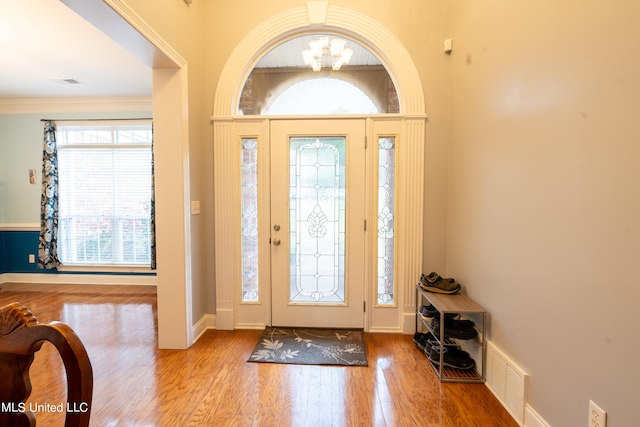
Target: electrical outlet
x=597 y=416
x=32 y=258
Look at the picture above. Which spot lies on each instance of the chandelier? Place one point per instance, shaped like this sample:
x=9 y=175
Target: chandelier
x=326 y=53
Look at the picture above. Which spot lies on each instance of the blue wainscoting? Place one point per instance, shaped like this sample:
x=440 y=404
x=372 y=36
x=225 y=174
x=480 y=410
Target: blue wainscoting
x=17 y=245
x=2 y=251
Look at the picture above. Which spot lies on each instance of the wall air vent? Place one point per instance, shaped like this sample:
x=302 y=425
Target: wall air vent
x=507 y=381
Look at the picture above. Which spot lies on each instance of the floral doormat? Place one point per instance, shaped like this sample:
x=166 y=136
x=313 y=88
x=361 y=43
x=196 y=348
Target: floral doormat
x=305 y=346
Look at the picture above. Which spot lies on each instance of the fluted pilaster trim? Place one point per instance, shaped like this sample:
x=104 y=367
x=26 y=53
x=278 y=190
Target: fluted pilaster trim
x=410 y=211
x=227 y=211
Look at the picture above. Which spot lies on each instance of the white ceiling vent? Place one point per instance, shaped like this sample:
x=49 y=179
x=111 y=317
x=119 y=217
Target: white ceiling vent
x=69 y=81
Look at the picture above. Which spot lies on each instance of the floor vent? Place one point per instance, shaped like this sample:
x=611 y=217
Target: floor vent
x=507 y=381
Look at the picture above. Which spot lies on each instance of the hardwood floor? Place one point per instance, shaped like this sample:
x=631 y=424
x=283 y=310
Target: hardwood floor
x=212 y=384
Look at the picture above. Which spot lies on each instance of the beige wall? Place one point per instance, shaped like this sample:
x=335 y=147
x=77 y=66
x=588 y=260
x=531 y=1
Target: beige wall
x=544 y=204
x=179 y=25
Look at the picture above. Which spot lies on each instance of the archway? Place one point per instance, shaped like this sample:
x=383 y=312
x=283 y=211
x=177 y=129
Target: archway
x=319 y=16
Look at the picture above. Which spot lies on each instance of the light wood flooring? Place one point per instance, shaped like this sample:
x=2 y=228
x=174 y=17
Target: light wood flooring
x=212 y=384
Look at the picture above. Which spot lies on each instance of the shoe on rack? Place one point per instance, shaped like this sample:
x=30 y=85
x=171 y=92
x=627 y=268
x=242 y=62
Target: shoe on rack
x=435 y=343
x=417 y=338
x=430 y=278
x=454 y=328
x=443 y=286
x=420 y=339
x=465 y=323
x=452 y=358
x=429 y=311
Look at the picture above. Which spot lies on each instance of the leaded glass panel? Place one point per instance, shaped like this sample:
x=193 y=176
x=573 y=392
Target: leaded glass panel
x=250 y=220
x=317 y=219
x=386 y=190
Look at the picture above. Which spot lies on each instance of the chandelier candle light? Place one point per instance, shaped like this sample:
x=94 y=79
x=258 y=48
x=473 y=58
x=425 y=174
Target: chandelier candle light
x=332 y=51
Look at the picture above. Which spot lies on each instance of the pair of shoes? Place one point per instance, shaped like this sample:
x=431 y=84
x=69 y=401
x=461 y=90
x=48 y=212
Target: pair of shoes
x=452 y=357
x=429 y=311
x=420 y=339
x=431 y=278
x=435 y=343
x=433 y=282
x=455 y=328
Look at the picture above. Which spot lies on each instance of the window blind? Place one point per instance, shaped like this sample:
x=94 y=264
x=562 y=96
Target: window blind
x=105 y=194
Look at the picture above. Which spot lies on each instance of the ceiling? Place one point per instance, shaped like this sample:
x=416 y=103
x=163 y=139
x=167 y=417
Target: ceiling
x=44 y=43
x=48 y=51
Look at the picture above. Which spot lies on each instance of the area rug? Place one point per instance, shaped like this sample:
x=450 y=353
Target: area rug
x=305 y=346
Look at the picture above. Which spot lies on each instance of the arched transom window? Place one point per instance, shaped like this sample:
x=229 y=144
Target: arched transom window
x=318 y=74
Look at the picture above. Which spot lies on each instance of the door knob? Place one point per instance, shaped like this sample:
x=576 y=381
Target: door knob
x=276 y=227
x=276 y=242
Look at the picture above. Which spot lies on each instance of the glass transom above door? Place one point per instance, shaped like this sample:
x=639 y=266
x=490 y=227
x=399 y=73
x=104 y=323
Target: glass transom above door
x=317 y=192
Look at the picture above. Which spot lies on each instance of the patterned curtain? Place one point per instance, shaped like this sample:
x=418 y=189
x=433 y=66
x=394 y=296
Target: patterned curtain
x=48 y=245
x=152 y=225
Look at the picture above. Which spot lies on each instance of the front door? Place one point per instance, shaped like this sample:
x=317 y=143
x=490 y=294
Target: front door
x=317 y=223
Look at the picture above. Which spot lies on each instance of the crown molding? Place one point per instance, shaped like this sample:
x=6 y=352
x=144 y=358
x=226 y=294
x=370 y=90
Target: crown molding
x=74 y=105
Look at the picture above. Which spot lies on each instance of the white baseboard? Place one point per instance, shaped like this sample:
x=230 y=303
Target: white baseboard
x=208 y=321
x=533 y=419
x=251 y=326
x=386 y=330
x=78 y=279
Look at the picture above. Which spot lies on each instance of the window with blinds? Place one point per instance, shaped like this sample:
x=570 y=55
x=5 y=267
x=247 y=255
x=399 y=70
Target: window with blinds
x=105 y=193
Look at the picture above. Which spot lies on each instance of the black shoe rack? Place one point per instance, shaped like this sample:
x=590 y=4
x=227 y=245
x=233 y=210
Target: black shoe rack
x=457 y=306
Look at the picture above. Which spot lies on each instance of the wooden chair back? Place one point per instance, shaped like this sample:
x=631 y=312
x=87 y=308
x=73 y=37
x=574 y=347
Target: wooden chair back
x=21 y=335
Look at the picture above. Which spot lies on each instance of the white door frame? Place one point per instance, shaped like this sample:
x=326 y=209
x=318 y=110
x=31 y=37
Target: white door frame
x=319 y=16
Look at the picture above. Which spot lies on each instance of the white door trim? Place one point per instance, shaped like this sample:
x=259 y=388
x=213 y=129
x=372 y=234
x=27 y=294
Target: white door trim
x=410 y=161
x=230 y=313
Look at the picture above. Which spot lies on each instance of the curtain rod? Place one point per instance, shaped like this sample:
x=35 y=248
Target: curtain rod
x=88 y=120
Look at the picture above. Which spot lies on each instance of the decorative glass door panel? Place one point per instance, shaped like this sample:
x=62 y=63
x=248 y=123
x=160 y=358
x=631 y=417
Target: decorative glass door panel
x=317 y=178
x=317 y=209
